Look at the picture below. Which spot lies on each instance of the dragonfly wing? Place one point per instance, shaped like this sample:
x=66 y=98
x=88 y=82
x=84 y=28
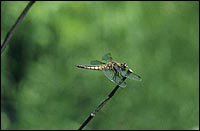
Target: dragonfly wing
x=132 y=75
x=114 y=77
x=96 y=62
x=107 y=57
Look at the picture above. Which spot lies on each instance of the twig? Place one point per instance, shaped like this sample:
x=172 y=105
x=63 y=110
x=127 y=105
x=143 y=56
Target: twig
x=92 y=115
x=12 y=29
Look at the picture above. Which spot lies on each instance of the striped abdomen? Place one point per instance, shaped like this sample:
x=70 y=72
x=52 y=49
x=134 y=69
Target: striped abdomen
x=91 y=67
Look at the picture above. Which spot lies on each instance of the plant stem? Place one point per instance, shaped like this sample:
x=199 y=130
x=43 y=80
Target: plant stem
x=12 y=29
x=92 y=115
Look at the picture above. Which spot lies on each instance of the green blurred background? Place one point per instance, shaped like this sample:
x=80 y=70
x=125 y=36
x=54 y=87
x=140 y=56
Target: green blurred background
x=42 y=89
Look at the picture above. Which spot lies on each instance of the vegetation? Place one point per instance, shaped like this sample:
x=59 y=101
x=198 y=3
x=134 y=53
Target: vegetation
x=42 y=89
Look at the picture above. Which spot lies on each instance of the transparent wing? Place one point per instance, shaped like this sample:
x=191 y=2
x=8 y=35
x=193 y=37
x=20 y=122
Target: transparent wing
x=132 y=76
x=114 y=77
x=96 y=62
x=107 y=57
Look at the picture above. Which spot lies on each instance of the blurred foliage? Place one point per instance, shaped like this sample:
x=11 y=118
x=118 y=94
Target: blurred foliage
x=42 y=89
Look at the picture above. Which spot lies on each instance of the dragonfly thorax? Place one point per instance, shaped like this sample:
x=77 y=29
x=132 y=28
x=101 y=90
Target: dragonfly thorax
x=119 y=66
x=124 y=66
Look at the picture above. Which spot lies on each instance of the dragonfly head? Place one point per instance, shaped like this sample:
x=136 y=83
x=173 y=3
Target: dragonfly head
x=124 y=66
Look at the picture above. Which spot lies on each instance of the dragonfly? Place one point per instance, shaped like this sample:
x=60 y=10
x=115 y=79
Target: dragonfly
x=113 y=70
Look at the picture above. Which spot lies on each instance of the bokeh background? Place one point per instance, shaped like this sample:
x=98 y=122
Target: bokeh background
x=42 y=89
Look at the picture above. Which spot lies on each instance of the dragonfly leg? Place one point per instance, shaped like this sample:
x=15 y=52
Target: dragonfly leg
x=121 y=75
x=115 y=74
x=114 y=77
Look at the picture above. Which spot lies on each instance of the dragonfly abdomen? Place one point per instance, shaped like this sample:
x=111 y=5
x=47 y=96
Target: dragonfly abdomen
x=90 y=67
